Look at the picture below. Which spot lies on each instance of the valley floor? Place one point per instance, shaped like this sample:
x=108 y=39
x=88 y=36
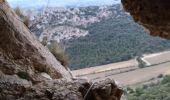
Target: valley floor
x=104 y=68
x=127 y=73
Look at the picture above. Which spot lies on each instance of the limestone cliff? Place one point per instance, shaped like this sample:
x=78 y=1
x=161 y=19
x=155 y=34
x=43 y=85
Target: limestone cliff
x=152 y=14
x=20 y=51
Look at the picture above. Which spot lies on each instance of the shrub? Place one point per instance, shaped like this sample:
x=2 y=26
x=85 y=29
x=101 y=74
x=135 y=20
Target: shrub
x=59 y=53
x=130 y=90
x=25 y=19
x=166 y=79
x=142 y=64
x=139 y=92
x=160 y=75
x=18 y=12
x=153 y=91
x=145 y=86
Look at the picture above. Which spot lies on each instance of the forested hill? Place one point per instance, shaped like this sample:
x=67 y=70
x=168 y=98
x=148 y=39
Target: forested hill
x=96 y=35
x=113 y=40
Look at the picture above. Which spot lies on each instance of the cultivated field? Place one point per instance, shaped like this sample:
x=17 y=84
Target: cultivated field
x=127 y=73
x=103 y=68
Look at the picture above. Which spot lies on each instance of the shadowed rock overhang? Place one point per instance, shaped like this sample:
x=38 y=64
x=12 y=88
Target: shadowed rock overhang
x=154 y=15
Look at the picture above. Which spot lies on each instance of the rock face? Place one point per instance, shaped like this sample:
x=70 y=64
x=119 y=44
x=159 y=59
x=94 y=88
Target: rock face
x=152 y=14
x=103 y=90
x=59 y=89
x=28 y=71
x=21 y=52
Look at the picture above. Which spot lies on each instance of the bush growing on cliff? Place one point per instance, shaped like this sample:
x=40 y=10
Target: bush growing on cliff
x=25 y=19
x=59 y=53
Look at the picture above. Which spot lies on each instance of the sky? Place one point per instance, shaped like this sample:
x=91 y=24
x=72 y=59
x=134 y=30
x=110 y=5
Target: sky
x=60 y=3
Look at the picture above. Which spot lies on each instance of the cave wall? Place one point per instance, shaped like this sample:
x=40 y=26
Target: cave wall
x=154 y=15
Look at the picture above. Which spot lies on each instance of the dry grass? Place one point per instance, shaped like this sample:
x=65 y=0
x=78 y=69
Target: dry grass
x=25 y=19
x=59 y=53
x=44 y=41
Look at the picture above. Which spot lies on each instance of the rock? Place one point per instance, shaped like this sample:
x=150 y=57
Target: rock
x=152 y=14
x=103 y=90
x=20 y=51
x=45 y=75
x=12 y=88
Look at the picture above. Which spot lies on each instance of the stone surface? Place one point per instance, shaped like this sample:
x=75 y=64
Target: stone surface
x=103 y=90
x=12 y=88
x=152 y=14
x=20 y=51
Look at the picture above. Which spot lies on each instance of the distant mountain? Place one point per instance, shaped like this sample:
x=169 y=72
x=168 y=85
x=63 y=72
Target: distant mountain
x=61 y=23
x=60 y=3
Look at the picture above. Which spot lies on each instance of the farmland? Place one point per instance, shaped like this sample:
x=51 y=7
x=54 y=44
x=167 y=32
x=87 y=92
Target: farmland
x=129 y=75
x=104 y=68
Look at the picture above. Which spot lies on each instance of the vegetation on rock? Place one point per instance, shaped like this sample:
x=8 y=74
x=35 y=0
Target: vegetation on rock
x=56 y=49
x=25 y=19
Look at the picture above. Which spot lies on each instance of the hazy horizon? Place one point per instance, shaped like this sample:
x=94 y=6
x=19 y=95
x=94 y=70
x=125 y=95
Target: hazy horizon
x=60 y=3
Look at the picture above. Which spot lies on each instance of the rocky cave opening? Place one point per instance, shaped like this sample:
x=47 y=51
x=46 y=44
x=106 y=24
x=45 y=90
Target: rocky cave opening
x=21 y=53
